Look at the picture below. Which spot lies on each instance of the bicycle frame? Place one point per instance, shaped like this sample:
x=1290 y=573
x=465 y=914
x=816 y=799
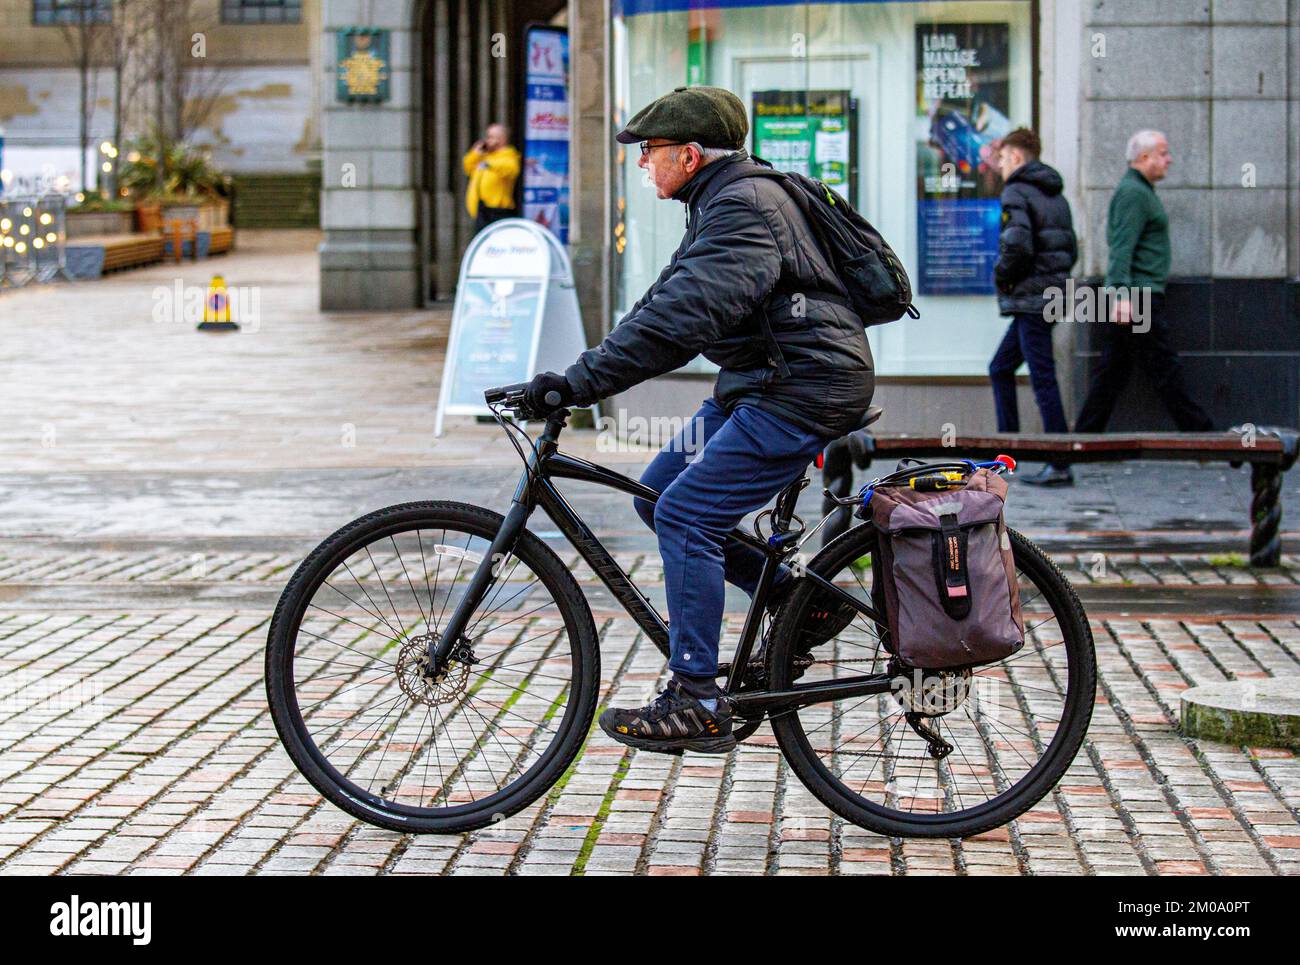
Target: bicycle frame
x=536 y=489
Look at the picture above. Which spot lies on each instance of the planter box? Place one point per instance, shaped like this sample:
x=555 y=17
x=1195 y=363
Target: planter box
x=82 y=224
x=180 y=212
x=148 y=217
x=214 y=214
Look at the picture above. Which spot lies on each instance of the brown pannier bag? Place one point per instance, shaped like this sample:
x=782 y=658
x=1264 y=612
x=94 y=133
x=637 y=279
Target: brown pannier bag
x=947 y=577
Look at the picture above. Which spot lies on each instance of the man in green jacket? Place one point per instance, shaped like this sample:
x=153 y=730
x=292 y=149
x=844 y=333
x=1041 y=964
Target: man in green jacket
x=1137 y=233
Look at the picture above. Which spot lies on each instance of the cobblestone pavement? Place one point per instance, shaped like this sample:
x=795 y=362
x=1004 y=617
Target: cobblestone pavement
x=140 y=743
x=159 y=486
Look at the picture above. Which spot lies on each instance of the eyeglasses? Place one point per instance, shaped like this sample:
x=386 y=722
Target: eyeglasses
x=647 y=147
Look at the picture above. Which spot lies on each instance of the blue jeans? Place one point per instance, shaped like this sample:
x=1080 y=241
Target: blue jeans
x=1028 y=339
x=746 y=460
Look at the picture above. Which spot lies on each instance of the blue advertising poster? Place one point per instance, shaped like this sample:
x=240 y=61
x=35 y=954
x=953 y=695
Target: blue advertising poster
x=546 y=130
x=958 y=240
x=962 y=92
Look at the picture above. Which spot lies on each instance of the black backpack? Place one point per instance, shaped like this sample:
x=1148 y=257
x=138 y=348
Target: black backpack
x=878 y=286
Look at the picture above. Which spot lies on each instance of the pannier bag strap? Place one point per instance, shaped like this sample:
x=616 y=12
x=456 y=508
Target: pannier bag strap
x=949 y=554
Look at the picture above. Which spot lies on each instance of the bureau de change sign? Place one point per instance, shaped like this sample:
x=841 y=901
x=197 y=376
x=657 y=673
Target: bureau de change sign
x=516 y=314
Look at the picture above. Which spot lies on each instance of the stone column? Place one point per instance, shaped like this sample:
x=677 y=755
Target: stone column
x=590 y=159
x=369 y=257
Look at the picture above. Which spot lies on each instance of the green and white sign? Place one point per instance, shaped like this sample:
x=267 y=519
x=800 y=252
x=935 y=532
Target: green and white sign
x=807 y=132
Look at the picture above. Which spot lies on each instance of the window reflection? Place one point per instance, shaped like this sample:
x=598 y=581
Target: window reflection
x=835 y=90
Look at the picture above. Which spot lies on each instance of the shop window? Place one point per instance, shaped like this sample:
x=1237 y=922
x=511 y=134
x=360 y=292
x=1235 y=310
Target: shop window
x=893 y=105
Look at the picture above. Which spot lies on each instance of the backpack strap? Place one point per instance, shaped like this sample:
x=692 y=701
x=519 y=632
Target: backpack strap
x=762 y=169
x=738 y=172
x=948 y=554
x=799 y=196
x=773 y=349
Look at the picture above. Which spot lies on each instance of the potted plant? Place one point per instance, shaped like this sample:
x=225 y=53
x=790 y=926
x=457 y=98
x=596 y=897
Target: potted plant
x=173 y=182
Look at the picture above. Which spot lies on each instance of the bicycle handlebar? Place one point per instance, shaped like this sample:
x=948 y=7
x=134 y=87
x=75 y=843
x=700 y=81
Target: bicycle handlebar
x=505 y=393
x=512 y=396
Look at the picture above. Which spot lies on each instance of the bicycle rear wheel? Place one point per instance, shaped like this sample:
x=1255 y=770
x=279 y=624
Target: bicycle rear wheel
x=364 y=723
x=1014 y=726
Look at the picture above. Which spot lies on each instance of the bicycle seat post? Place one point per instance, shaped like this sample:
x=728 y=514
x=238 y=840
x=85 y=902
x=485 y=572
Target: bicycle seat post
x=785 y=504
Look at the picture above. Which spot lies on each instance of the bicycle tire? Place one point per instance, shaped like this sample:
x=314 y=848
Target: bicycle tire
x=996 y=812
x=579 y=709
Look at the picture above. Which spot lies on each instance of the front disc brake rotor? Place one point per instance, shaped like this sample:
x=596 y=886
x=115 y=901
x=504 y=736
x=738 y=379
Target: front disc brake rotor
x=422 y=686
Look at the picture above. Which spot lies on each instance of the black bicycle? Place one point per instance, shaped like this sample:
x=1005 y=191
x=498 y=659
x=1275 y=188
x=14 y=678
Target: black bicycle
x=433 y=667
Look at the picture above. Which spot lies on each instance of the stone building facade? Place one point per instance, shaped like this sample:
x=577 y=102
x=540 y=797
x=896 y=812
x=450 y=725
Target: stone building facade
x=259 y=63
x=1221 y=77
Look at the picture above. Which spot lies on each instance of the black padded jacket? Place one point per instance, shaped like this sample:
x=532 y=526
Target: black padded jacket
x=1037 y=247
x=747 y=248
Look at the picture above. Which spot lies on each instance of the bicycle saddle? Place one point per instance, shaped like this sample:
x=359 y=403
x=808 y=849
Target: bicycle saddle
x=874 y=412
x=861 y=444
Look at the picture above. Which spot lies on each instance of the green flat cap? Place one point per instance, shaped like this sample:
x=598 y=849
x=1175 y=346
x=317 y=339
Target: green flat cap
x=710 y=115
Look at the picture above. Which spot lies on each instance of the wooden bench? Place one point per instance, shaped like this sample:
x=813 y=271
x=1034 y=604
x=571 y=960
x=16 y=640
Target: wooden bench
x=119 y=251
x=1270 y=451
x=223 y=239
x=128 y=251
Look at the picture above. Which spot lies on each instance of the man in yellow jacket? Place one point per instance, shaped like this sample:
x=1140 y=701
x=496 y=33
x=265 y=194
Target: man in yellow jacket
x=493 y=167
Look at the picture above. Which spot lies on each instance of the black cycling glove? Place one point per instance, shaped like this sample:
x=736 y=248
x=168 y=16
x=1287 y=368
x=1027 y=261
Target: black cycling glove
x=542 y=383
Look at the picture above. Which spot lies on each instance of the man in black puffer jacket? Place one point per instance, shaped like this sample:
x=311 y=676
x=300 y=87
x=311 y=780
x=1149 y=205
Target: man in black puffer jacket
x=786 y=388
x=1036 y=252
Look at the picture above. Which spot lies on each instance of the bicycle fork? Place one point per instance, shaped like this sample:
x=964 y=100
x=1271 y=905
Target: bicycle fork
x=451 y=643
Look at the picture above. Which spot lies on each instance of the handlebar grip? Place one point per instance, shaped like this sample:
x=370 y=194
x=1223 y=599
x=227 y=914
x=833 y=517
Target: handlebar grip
x=933 y=483
x=552 y=399
x=503 y=392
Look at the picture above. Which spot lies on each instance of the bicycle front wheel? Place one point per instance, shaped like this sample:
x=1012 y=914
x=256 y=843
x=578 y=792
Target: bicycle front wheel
x=376 y=734
x=1013 y=726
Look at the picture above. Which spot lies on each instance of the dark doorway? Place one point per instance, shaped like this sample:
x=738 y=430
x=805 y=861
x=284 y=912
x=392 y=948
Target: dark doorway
x=471 y=75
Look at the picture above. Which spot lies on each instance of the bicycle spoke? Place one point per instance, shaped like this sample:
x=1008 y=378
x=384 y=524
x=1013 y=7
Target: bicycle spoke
x=382 y=619
x=383 y=722
x=377 y=612
x=343 y=646
x=405 y=573
x=384 y=586
x=999 y=733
